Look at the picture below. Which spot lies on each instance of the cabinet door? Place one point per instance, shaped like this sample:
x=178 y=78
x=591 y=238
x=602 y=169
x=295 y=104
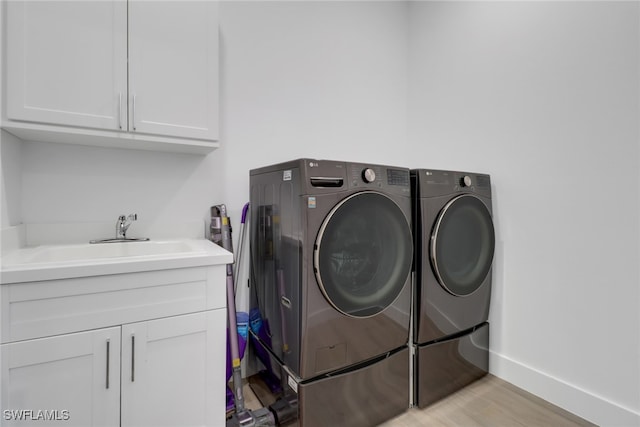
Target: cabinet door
x=71 y=380
x=173 y=68
x=67 y=62
x=173 y=371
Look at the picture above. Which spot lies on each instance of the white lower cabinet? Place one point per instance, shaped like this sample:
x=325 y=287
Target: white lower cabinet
x=154 y=354
x=71 y=379
x=150 y=373
x=164 y=370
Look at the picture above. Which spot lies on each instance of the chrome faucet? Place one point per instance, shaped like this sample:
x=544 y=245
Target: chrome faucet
x=123 y=224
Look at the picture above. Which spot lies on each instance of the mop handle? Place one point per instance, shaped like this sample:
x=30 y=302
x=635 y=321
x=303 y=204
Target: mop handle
x=226 y=243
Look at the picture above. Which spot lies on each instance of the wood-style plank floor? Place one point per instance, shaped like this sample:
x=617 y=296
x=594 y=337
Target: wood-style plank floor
x=489 y=402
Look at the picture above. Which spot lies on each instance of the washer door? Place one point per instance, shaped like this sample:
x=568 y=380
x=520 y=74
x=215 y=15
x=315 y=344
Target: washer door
x=462 y=245
x=363 y=253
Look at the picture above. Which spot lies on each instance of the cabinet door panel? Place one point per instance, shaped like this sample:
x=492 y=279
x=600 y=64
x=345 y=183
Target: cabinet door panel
x=70 y=378
x=173 y=371
x=66 y=61
x=173 y=68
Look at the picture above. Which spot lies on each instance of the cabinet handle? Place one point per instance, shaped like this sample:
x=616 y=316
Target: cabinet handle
x=133 y=114
x=107 y=382
x=133 y=358
x=120 y=110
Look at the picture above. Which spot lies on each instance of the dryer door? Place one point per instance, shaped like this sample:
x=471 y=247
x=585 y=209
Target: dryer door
x=363 y=254
x=462 y=245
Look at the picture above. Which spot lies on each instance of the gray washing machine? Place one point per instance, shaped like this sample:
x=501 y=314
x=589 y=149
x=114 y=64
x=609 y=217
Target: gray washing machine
x=331 y=257
x=454 y=247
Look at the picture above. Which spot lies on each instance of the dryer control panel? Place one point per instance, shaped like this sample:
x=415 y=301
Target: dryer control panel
x=438 y=182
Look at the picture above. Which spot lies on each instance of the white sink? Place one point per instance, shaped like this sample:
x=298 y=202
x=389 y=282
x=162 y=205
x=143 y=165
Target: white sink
x=69 y=253
x=80 y=260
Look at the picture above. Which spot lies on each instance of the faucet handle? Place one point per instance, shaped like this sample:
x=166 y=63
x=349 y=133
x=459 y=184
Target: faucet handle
x=123 y=225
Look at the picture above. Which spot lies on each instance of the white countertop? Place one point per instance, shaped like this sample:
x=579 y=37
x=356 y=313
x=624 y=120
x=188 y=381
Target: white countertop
x=51 y=262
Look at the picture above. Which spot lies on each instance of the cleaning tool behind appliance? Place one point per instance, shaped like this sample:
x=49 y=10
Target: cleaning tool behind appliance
x=238 y=264
x=259 y=328
x=221 y=235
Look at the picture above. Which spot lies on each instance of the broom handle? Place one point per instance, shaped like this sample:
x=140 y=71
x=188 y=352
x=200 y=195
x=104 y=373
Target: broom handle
x=227 y=243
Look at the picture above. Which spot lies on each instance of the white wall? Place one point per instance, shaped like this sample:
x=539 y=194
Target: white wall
x=10 y=180
x=544 y=97
x=67 y=183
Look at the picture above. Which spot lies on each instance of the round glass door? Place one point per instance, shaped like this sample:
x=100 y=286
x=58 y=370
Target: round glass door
x=363 y=254
x=462 y=245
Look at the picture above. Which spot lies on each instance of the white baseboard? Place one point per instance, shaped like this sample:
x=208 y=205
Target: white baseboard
x=587 y=405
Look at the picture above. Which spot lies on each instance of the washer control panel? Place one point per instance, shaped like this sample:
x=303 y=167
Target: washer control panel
x=376 y=176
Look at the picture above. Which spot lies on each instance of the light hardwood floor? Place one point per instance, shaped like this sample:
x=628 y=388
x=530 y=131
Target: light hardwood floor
x=489 y=402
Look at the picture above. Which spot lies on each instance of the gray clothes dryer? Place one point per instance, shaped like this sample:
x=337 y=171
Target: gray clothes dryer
x=331 y=261
x=454 y=247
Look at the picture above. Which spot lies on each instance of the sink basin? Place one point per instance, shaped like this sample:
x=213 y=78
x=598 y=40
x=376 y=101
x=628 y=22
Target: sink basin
x=80 y=260
x=70 y=253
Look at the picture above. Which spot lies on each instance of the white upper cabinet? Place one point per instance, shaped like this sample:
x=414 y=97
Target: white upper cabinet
x=138 y=74
x=173 y=68
x=67 y=62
